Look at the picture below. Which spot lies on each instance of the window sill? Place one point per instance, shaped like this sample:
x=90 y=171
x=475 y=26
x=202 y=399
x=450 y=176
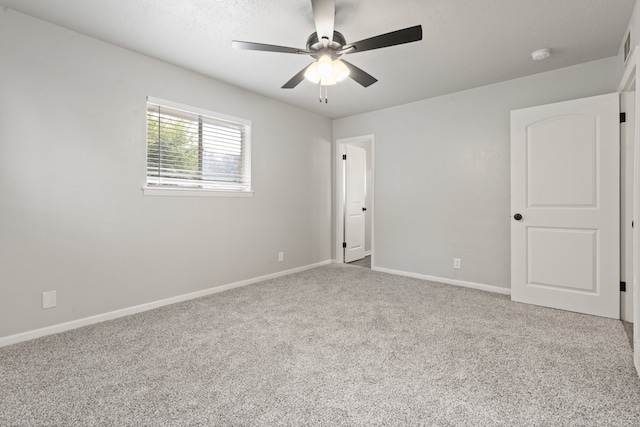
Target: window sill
x=193 y=192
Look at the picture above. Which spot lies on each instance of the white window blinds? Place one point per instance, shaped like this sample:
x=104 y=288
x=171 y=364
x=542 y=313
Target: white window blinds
x=192 y=148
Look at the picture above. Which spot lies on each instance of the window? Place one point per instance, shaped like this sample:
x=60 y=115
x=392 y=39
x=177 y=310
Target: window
x=189 y=148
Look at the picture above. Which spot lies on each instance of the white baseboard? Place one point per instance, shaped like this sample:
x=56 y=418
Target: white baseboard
x=61 y=327
x=367 y=253
x=472 y=285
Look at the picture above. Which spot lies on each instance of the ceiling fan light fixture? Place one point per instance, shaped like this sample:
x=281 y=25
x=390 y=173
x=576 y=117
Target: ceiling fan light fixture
x=339 y=72
x=325 y=66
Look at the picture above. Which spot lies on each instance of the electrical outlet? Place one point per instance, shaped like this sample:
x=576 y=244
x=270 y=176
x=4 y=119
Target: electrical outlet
x=49 y=299
x=456 y=263
x=280 y=256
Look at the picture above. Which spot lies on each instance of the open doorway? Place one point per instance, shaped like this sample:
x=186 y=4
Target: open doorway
x=355 y=201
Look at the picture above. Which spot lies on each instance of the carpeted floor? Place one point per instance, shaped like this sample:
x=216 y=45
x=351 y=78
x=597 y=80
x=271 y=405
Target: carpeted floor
x=337 y=345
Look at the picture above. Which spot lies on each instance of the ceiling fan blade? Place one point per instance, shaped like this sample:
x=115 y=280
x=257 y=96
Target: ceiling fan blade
x=406 y=35
x=295 y=80
x=360 y=76
x=267 y=47
x=324 y=13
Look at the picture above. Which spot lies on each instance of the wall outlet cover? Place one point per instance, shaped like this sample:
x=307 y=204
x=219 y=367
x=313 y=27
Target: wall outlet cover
x=49 y=299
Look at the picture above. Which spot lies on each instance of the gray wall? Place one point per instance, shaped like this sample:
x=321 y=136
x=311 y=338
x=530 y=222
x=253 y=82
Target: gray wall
x=442 y=172
x=72 y=164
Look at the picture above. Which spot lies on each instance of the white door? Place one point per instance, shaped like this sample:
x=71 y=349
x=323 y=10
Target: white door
x=565 y=232
x=354 y=222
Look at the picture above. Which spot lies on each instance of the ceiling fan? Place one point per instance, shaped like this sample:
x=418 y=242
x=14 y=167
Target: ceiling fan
x=327 y=45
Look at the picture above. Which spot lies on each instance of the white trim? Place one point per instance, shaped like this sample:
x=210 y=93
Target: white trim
x=193 y=192
x=462 y=283
x=367 y=253
x=61 y=327
x=339 y=194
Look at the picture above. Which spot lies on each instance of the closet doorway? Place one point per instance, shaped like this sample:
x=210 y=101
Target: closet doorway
x=355 y=200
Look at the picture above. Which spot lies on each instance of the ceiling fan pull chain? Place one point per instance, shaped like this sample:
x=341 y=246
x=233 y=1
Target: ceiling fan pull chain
x=320 y=88
x=326 y=94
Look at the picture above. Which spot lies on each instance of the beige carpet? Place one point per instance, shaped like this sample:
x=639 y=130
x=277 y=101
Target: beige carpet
x=337 y=345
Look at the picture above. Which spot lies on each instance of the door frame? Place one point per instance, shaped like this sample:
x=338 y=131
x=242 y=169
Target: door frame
x=630 y=77
x=340 y=195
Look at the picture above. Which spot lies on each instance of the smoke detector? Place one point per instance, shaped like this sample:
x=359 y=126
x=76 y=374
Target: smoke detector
x=541 y=54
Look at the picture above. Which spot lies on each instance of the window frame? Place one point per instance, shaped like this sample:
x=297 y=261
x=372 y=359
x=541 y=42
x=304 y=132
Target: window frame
x=152 y=190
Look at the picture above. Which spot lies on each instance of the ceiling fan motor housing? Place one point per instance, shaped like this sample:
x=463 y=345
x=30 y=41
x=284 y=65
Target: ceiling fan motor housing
x=317 y=48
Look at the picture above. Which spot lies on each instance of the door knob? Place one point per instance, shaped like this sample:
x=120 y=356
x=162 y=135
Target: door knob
x=364 y=209
x=517 y=217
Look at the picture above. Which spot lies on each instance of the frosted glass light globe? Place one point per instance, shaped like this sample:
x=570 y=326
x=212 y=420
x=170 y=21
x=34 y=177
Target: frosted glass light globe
x=312 y=73
x=340 y=71
x=325 y=66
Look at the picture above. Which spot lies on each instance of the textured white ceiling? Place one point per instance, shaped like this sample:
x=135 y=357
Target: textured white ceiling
x=467 y=43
